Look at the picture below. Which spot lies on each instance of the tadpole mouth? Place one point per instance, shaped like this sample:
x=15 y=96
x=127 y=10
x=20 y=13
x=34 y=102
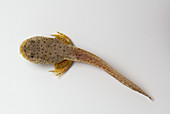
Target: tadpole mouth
x=22 y=49
x=22 y=52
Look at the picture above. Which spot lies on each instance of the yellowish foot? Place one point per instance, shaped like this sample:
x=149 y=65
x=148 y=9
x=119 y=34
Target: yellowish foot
x=63 y=38
x=61 y=67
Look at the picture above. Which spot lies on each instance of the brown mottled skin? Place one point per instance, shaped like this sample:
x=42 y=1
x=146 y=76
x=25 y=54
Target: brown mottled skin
x=45 y=50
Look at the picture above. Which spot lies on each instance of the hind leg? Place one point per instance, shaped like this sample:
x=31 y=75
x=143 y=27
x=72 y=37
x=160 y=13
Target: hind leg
x=63 y=66
x=63 y=38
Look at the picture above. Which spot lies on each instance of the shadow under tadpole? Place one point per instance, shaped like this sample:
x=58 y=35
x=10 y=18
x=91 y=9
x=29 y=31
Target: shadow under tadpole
x=44 y=66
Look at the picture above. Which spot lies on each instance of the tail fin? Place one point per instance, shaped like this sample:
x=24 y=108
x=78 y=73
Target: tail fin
x=89 y=58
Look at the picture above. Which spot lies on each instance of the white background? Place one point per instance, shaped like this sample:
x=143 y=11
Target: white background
x=133 y=36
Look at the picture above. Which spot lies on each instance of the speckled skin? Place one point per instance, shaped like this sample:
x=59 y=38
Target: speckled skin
x=45 y=50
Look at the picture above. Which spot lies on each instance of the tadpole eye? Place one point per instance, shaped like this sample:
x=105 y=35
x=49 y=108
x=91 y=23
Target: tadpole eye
x=32 y=41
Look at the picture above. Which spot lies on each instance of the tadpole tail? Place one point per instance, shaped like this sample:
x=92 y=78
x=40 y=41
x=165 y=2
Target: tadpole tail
x=89 y=58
